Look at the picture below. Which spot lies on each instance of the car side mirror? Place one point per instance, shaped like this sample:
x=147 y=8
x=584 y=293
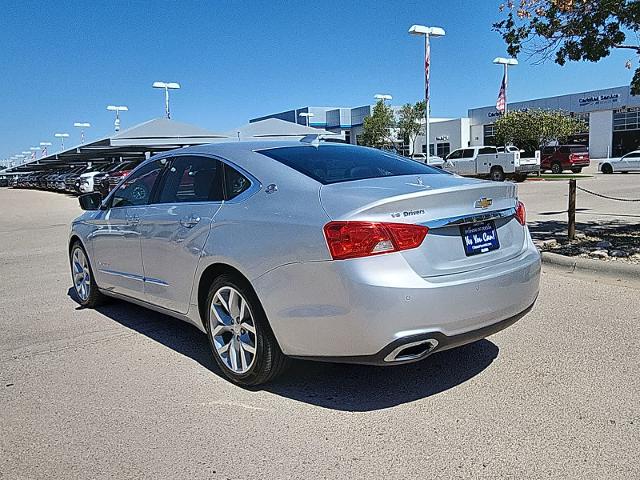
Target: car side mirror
x=90 y=201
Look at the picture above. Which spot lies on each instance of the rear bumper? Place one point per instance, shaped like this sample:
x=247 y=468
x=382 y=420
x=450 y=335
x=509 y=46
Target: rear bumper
x=530 y=168
x=387 y=356
x=580 y=163
x=356 y=310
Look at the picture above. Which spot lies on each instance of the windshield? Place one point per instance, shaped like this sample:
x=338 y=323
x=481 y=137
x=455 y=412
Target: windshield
x=343 y=163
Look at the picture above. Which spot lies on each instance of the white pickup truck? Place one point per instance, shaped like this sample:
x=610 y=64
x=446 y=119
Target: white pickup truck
x=487 y=162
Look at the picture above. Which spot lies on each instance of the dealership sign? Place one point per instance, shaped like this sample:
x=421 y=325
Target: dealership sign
x=598 y=99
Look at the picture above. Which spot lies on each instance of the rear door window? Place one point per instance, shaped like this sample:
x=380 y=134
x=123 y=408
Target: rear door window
x=343 y=163
x=191 y=178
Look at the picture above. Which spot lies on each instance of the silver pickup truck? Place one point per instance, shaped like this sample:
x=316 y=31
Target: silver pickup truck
x=488 y=162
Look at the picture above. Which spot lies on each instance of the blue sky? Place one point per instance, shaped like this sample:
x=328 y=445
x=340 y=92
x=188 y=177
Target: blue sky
x=63 y=62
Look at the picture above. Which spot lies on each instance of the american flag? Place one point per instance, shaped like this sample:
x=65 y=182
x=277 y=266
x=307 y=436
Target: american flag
x=427 y=65
x=502 y=96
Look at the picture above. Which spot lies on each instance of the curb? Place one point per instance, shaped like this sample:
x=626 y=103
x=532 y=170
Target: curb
x=625 y=270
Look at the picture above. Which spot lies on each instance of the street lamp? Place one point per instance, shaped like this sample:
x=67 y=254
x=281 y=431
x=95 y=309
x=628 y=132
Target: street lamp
x=506 y=62
x=306 y=115
x=61 y=136
x=383 y=97
x=117 y=109
x=167 y=86
x=427 y=32
x=82 y=126
x=33 y=152
x=43 y=148
x=26 y=155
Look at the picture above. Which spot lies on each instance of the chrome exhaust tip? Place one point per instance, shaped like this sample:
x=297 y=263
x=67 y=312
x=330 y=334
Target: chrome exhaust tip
x=412 y=351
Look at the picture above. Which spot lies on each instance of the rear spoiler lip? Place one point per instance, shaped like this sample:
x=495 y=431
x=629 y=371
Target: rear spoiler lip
x=470 y=218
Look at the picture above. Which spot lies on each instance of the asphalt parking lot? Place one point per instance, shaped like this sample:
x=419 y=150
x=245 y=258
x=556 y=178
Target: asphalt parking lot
x=123 y=392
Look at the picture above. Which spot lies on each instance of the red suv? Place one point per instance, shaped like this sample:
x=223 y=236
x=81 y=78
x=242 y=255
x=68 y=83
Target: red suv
x=564 y=157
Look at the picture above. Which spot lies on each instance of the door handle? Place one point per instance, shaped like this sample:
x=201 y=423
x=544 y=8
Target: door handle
x=133 y=219
x=189 y=222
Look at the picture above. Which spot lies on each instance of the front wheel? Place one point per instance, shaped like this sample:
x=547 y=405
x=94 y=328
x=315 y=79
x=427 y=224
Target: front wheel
x=240 y=337
x=496 y=174
x=84 y=284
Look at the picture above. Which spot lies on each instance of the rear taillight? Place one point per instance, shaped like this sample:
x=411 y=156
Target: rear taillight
x=363 y=239
x=521 y=213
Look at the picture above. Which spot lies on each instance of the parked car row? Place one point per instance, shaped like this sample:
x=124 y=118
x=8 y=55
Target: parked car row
x=100 y=177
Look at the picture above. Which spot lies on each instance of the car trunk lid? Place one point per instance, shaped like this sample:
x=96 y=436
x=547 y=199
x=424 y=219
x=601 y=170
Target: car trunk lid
x=444 y=203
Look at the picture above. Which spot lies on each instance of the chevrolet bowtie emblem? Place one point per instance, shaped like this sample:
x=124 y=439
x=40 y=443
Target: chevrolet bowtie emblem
x=483 y=203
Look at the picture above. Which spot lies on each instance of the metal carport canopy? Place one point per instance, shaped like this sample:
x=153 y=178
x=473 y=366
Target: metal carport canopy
x=157 y=135
x=274 y=128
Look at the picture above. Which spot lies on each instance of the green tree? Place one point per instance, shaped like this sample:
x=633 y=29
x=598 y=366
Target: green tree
x=409 y=121
x=572 y=30
x=377 y=127
x=533 y=129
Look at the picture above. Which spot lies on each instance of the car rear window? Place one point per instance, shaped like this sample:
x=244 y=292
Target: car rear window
x=343 y=163
x=578 y=149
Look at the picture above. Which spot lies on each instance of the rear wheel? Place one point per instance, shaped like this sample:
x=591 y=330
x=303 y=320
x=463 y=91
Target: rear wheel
x=607 y=169
x=240 y=337
x=576 y=169
x=84 y=284
x=496 y=174
x=520 y=177
x=556 y=168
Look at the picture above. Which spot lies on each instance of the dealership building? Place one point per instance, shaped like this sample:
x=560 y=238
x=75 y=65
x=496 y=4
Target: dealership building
x=612 y=117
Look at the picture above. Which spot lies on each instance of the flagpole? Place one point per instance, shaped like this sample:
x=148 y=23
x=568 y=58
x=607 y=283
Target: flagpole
x=506 y=85
x=427 y=56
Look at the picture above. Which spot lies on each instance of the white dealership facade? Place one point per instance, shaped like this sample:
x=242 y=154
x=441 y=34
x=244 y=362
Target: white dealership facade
x=612 y=116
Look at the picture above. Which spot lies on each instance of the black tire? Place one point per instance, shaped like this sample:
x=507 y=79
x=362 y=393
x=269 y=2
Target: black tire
x=556 y=168
x=269 y=361
x=496 y=174
x=576 y=169
x=520 y=177
x=94 y=297
x=607 y=169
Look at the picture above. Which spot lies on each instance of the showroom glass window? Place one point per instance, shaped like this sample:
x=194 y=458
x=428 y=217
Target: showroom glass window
x=191 y=178
x=137 y=188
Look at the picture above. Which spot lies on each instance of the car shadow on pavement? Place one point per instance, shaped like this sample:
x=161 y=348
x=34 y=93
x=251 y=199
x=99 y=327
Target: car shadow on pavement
x=335 y=386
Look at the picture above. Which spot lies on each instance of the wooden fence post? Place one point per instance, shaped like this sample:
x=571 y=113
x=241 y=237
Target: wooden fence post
x=572 y=209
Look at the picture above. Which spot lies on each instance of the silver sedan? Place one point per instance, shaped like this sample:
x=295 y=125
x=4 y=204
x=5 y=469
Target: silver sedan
x=310 y=250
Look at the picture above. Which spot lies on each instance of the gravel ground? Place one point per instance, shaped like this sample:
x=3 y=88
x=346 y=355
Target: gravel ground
x=126 y=393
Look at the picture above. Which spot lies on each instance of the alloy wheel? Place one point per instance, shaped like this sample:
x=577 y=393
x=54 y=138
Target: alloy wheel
x=233 y=330
x=81 y=274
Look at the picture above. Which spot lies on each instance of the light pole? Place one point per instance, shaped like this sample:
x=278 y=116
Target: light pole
x=117 y=109
x=81 y=126
x=306 y=115
x=506 y=62
x=33 y=152
x=427 y=32
x=43 y=148
x=26 y=155
x=167 y=86
x=383 y=97
x=61 y=136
